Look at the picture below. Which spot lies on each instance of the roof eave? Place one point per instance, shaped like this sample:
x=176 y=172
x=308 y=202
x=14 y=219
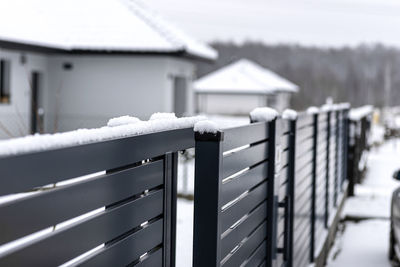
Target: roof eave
x=51 y=50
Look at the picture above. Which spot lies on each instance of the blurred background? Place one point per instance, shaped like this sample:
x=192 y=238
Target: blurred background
x=64 y=68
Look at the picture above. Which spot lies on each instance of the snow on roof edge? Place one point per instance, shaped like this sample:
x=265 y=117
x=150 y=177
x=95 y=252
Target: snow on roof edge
x=254 y=76
x=175 y=40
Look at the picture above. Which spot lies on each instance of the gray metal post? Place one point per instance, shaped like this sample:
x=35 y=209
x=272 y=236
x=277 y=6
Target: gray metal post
x=313 y=186
x=207 y=206
x=346 y=142
x=291 y=188
x=328 y=147
x=271 y=199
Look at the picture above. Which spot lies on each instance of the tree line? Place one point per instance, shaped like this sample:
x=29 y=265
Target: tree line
x=367 y=74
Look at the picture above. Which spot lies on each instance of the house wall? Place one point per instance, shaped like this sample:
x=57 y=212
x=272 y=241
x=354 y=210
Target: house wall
x=98 y=88
x=15 y=116
x=232 y=104
x=240 y=104
x=282 y=101
x=95 y=89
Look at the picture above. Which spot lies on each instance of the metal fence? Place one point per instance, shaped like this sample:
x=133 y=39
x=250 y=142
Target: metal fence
x=359 y=131
x=134 y=195
x=266 y=193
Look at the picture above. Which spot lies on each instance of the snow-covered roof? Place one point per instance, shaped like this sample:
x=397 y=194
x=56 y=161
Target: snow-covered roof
x=244 y=76
x=94 y=25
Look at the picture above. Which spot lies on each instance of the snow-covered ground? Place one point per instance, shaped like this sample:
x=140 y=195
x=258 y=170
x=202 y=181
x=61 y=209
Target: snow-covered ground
x=184 y=235
x=365 y=243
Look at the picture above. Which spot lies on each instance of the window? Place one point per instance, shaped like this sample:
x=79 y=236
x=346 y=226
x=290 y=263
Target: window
x=5 y=81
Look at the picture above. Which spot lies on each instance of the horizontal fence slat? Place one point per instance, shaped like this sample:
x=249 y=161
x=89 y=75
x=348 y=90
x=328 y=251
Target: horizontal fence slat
x=154 y=259
x=303 y=171
x=52 y=166
x=128 y=249
x=244 y=135
x=248 y=248
x=304 y=148
x=303 y=162
x=244 y=158
x=243 y=229
x=283 y=125
x=77 y=238
x=284 y=142
x=234 y=188
x=60 y=204
x=284 y=158
x=258 y=257
x=304 y=134
x=232 y=214
x=303 y=120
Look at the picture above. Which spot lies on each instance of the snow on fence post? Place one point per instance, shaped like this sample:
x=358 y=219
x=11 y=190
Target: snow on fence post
x=207 y=203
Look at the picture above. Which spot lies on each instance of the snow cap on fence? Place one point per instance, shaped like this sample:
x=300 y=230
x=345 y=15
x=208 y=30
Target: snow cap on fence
x=344 y=105
x=289 y=114
x=356 y=114
x=206 y=126
x=123 y=120
x=327 y=107
x=36 y=143
x=263 y=114
x=162 y=116
x=312 y=110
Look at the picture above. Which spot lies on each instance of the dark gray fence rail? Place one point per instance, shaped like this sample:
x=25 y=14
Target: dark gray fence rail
x=136 y=191
x=278 y=217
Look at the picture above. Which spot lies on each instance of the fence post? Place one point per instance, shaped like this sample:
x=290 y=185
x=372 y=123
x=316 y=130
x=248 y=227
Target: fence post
x=291 y=188
x=346 y=143
x=313 y=187
x=328 y=155
x=168 y=208
x=336 y=183
x=272 y=199
x=207 y=206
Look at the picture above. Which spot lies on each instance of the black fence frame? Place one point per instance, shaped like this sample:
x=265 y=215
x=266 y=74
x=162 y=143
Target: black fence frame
x=323 y=139
x=295 y=170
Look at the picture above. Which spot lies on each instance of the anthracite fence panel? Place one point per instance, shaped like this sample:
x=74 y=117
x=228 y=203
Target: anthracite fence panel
x=234 y=177
x=303 y=190
x=132 y=194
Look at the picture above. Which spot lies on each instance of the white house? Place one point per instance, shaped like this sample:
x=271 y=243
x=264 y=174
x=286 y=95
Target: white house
x=67 y=64
x=239 y=87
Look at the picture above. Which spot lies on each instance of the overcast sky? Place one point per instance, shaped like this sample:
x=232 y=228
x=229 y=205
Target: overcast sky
x=309 y=22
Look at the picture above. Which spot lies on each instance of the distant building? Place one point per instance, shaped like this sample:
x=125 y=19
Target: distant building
x=238 y=88
x=66 y=64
